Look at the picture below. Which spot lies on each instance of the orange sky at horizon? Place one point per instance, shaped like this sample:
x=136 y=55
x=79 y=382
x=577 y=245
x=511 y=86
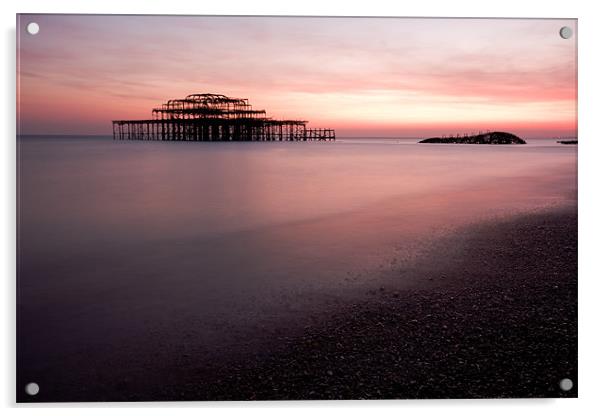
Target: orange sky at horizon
x=361 y=76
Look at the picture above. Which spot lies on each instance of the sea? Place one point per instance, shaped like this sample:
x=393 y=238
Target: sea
x=135 y=257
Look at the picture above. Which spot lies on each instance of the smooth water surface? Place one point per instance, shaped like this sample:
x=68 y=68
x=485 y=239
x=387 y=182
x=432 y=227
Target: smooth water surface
x=135 y=253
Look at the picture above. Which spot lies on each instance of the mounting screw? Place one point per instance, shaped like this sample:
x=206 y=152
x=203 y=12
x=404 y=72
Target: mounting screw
x=566 y=32
x=32 y=389
x=33 y=28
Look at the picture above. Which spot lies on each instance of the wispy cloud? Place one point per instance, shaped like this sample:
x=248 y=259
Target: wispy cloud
x=400 y=76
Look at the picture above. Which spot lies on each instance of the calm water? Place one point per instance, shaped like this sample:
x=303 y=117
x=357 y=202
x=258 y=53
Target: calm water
x=133 y=252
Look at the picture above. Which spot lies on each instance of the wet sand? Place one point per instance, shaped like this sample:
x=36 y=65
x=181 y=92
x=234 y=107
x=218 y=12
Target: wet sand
x=494 y=314
x=497 y=318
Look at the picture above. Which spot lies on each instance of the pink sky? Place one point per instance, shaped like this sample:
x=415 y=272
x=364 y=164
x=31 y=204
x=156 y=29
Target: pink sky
x=361 y=76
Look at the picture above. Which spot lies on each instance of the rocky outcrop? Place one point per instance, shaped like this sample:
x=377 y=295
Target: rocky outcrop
x=495 y=137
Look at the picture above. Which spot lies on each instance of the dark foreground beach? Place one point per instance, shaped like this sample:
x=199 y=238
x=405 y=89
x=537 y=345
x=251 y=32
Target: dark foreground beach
x=493 y=313
x=499 y=319
x=494 y=316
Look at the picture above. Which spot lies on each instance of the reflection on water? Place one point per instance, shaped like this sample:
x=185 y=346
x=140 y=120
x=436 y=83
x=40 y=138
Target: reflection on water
x=163 y=247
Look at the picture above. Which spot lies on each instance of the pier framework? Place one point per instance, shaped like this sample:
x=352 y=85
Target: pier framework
x=215 y=117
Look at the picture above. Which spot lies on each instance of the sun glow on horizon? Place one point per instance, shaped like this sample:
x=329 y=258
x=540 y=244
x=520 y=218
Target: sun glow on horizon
x=379 y=77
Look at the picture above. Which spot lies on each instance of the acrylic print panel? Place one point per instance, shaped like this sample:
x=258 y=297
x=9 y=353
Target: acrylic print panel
x=296 y=208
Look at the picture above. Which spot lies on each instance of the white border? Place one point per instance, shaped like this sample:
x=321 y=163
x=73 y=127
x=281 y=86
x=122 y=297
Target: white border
x=590 y=207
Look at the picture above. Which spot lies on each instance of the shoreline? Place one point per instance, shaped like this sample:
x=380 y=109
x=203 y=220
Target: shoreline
x=498 y=318
x=491 y=313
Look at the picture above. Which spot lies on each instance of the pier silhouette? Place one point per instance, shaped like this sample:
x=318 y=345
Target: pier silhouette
x=215 y=117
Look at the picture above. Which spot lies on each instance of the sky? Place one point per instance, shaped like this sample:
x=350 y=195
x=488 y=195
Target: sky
x=376 y=77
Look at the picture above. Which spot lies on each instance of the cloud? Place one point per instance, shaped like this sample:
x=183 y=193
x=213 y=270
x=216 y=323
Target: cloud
x=342 y=70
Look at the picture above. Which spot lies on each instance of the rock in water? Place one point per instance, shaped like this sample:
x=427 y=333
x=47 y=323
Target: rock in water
x=495 y=137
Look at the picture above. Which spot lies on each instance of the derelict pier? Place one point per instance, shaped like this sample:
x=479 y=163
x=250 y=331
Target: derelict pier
x=215 y=117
